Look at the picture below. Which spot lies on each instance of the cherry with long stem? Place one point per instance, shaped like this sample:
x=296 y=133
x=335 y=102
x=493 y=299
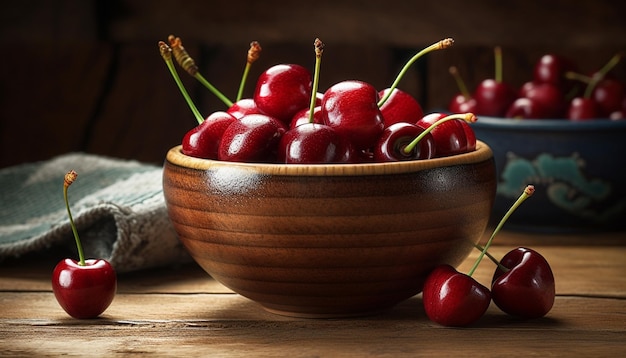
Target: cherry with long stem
x=467 y=117
x=253 y=54
x=528 y=192
x=439 y=45
x=188 y=64
x=166 y=54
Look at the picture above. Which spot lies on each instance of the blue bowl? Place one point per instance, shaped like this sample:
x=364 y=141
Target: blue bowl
x=578 y=170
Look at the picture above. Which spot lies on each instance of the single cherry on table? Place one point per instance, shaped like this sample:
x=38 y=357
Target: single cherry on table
x=83 y=288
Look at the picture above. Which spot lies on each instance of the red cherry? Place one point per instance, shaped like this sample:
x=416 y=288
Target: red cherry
x=243 y=107
x=395 y=138
x=451 y=137
x=350 y=107
x=400 y=107
x=462 y=102
x=253 y=138
x=527 y=289
x=582 y=109
x=608 y=95
x=454 y=299
x=313 y=143
x=526 y=108
x=494 y=96
x=551 y=68
x=84 y=291
x=282 y=90
x=548 y=96
x=83 y=288
x=302 y=117
x=203 y=140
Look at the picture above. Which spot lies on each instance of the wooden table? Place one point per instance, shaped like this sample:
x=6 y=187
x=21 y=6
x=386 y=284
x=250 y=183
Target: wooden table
x=183 y=312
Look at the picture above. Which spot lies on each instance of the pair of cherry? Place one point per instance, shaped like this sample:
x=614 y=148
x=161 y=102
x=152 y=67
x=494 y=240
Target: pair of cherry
x=522 y=286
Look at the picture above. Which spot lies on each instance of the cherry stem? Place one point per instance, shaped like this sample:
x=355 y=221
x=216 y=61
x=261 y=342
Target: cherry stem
x=493 y=259
x=189 y=65
x=166 y=53
x=440 y=45
x=253 y=54
x=319 y=49
x=459 y=82
x=467 y=117
x=497 y=55
x=70 y=177
x=593 y=80
x=528 y=191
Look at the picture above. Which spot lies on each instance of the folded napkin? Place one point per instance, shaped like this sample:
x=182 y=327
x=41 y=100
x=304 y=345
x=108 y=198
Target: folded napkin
x=117 y=206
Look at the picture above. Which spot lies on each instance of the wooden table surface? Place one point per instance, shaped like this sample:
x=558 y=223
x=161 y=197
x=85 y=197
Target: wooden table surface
x=183 y=312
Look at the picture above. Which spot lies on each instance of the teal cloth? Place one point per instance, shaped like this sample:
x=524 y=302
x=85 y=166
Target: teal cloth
x=117 y=205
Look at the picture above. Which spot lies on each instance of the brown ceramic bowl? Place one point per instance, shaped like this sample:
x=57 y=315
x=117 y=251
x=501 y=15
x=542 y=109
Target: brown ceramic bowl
x=329 y=240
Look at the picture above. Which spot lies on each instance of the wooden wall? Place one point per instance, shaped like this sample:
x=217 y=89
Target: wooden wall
x=86 y=75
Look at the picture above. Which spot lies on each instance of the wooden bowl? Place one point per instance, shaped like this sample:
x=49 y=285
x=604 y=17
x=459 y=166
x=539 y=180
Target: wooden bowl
x=329 y=240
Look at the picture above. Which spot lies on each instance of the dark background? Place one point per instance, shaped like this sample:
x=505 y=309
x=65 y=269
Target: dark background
x=86 y=75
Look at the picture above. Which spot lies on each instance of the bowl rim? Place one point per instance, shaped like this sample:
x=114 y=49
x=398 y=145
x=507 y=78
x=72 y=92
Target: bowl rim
x=561 y=125
x=482 y=153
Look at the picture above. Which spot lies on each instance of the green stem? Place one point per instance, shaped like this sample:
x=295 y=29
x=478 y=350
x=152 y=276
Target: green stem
x=528 y=191
x=81 y=254
x=468 y=117
x=445 y=43
x=319 y=49
x=597 y=77
x=459 y=82
x=167 y=57
x=492 y=258
x=242 y=84
x=213 y=90
x=498 y=63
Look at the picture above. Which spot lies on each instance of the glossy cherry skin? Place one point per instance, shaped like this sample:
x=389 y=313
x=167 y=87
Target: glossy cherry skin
x=351 y=108
x=582 y=109
x=252 y=138
x=302 y=117
x=451 y=137
x=243 y=107
x=549 y=97
x=551 y=68
x=527 y=290
x=282 y=90
x=84 y=291
x=493 y=98
x=400 y=107
x=391 y=144
x=314 y=143
x=608 y=95
x=526 y=108
x=203 y=140
x=462 y=104
x=454 y=299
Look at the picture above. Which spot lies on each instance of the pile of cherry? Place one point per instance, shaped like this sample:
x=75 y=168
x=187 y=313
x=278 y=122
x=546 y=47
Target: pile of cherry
x=288 y=121
x=557 y=90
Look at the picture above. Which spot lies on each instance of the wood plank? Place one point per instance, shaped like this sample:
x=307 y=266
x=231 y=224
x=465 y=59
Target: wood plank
x=228 y=324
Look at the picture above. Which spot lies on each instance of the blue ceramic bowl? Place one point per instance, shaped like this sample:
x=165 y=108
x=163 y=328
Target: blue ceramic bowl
x=578 y=170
